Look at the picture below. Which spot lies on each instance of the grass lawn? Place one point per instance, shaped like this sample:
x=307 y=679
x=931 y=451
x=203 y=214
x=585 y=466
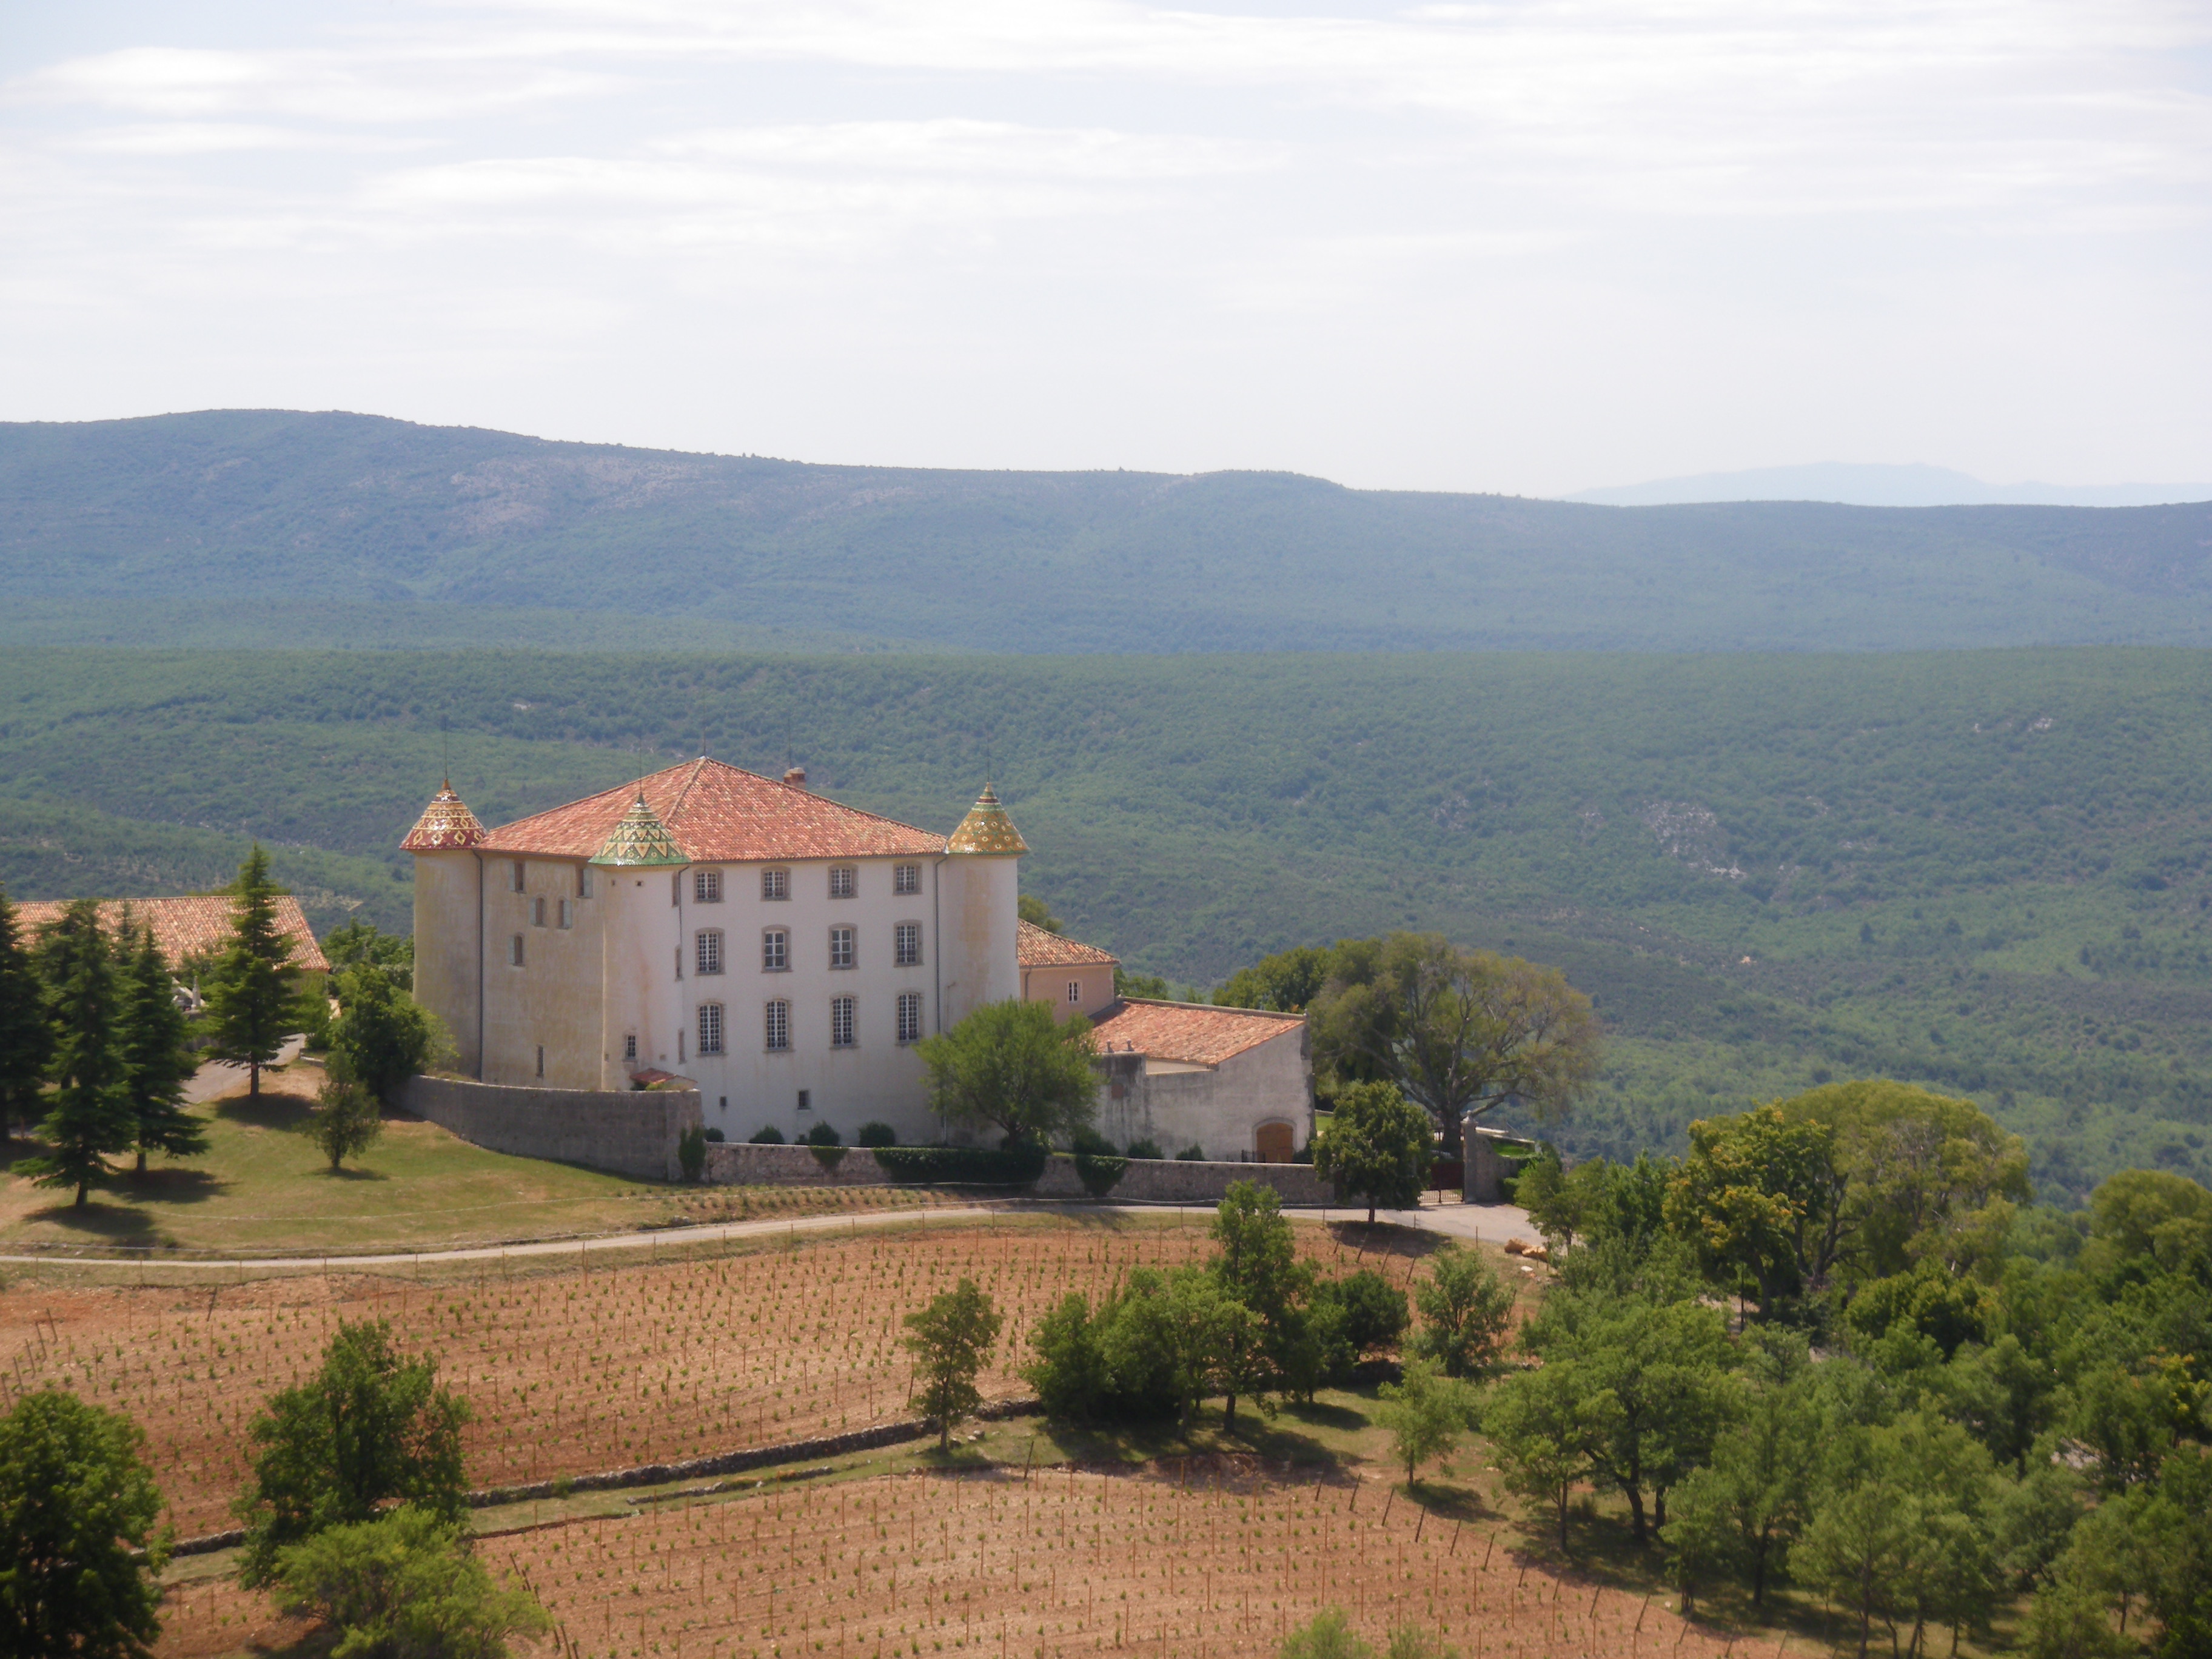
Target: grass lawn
x=264 y=1187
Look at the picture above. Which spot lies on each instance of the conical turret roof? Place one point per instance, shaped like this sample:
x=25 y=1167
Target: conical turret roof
x=986 y=829
x=640 y=838
x=446 y=824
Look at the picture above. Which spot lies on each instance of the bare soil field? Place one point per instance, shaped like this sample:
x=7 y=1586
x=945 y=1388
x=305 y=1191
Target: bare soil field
x=570 y=1373
x=1198 y=1559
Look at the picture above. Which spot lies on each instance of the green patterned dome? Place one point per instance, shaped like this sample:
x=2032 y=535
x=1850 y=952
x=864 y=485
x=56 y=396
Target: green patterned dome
x=640 y=839
x=986 y=829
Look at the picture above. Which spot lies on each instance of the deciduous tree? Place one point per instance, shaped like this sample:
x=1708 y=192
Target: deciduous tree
x=1011 y=1064
x=1460 y=1030
x=1466 y=1312
x=951 y=1340
x=1425 y=1413
x=407 y=1583
x=76 y=1501
x=347 y=1120
x=371 y=1428
x=1377 y=1145
x=383 y=1036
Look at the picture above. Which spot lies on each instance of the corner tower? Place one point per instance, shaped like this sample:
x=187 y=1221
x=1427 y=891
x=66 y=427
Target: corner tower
x=640 y=1010
x=449 y=920
x=981 y=887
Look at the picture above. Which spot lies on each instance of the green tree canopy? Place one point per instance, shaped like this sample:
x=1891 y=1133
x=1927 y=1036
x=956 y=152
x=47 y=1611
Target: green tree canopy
x=951 y=1340
x=90 y=1115
x=1035 y=912
x=1376 y=1145
x=25 y=1038
x=252 y=1001
x=406 y=1583
x=157 y=1060
x=1286 y=983
x=1458 y=1031
x=1467 y=1311
x=75 y=1500
x=1012 y=1066
x=370 y=1428
x=1425 y=1412
x=358 y=943
x=384 y=1036
x=347 y=1120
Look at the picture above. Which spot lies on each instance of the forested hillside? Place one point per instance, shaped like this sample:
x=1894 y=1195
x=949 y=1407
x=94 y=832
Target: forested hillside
x=260 y=528
x=1985 y=871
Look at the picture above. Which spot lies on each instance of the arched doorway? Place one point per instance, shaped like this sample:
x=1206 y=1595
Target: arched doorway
x=1274 y=1142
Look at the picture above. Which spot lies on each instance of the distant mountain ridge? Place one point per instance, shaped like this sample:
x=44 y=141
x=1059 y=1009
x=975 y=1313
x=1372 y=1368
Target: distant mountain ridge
x=262 y=527
x=1857 y=484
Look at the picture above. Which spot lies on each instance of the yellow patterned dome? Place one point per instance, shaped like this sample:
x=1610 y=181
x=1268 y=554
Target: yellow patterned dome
x=640 y=838
x=446 y=824
x=986 y=829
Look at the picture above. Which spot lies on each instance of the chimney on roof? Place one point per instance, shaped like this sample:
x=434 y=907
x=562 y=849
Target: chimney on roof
x=795 y=776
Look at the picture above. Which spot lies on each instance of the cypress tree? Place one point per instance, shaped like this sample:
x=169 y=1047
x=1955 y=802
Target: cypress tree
x=252 y=998
x=156 y=1061
x=91 y=1116
x=25 y=1043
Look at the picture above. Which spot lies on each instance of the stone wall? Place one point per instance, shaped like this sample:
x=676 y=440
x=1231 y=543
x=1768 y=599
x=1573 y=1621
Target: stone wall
x=628 y=1132
x=1146 y=1181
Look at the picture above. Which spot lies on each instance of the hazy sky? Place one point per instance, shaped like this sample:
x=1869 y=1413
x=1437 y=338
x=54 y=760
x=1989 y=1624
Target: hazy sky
x=1527 y=247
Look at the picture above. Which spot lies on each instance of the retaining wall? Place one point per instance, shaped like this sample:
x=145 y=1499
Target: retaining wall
x=1144 y=1180
x=625 y=1132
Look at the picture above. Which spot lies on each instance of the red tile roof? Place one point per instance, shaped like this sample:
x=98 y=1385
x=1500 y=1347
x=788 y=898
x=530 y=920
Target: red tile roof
x=719 y=814
x=1194 y=1032
x=197 y=925
x=1035 y=947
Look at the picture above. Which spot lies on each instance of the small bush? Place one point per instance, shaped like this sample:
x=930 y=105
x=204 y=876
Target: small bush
x=691 y=1153
x=827 y=1146
x=1191 y=1155
x=1145 y=1149
x=1098 y=1165
x=876 y=1135
x=771 y=1136
x=715 y=1136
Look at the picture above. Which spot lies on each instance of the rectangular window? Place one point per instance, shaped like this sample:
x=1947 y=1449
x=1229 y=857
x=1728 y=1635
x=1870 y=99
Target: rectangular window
x=775 y=951
x=541 y=1060
x=710 y=1028
x=906 y=943
x=514 y=951
x=680 y=1056
x=779 y=1026
x=676 y=887
x=775 y=883
x=538 y=913
x=844 y=881
x=907 y=878
x=1075 y=990
x=515 y=877
x=629 y=1046
x=568 y=915
x=707 y=886
x=710 y=951
x=841 y=1022
x=910 y=1017
x=583 y=881
x=841 y=947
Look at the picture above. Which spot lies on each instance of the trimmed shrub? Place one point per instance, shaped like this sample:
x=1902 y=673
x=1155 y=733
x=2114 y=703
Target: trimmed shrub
x=1098 y=1165
x=715 y=1135
x=771 y=1136
x=691 y=1153
x=1191 y=1155
x=827 y=1146
x=1145 y=1149
x=876 y=1135
x=962 y=1166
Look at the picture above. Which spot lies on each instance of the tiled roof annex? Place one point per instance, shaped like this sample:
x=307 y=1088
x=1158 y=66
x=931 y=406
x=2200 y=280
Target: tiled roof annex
x=718 y=814
x=196 y=925
x=1035 y=947
x=1195 y=1033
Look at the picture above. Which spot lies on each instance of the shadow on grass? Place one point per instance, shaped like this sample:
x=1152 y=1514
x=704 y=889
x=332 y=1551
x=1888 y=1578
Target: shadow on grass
x=1208 y=1440
x=1323 y=1415
x=1386 y=1240
x=107 y=1223
x=268 y=1111
x=351 y=1172
x=172 y=1183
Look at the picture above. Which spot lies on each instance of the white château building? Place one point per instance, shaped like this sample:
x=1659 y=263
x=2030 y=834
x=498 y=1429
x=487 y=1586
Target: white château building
x=782 y=951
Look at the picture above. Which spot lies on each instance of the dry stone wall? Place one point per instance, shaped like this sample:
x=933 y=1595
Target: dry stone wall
x=625 y=1132
x=1146 y=1181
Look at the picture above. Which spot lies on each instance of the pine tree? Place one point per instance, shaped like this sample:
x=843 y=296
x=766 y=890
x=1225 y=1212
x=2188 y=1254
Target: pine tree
x=91 y=1116
x=25 y=1041
x=156 y=1063
x=251 y=998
